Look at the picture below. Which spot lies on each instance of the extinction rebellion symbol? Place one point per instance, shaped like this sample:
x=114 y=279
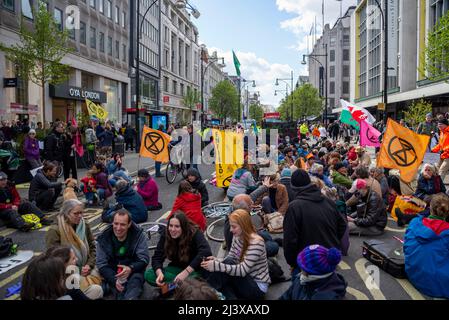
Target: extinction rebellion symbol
x=372 y=138
x=154 y=143
x=402 y=152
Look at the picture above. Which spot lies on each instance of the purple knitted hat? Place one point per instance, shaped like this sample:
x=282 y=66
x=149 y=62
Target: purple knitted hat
x=318 y=260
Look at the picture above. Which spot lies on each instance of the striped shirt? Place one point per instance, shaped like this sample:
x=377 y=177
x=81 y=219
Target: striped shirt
x=254 y=262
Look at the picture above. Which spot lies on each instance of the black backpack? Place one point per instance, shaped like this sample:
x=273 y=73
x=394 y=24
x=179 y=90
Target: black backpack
x=6 y=245
x=276 y=272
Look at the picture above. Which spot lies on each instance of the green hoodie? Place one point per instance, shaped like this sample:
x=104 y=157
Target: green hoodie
x=338 y=178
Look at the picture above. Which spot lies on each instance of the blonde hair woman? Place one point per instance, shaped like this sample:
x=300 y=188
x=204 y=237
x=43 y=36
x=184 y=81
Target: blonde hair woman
x=243 y=274
x=72 y=230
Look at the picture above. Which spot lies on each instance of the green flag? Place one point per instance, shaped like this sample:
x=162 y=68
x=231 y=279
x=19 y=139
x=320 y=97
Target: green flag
x=346 y=117
x=236 y=63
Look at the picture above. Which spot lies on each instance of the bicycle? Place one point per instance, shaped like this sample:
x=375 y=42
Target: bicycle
x=173 y=169
x=153 y=229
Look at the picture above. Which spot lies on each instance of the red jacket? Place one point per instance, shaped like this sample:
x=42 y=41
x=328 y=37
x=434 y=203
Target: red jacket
x=13 y=200
x=86 y=181
x=190 y=204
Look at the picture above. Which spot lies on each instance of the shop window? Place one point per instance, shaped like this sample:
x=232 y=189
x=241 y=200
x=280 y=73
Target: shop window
x=26 y=9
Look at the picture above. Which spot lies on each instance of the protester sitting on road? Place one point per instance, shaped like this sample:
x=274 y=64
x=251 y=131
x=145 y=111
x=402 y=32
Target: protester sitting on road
x=426 y=251
x=288 y=156
x=378 y=174
x=189 y=202
x=116 y=171
x=429 y=183
x=286 y=178
x=45 y=188
x=340 y=176
x=128 y=198
x=122 y=257
x=317 y=170
x=194 y=178
x=275 y=198
x=363 y=158
x=242 y=181
x=104 y=189
x=310 y=219
x=72 y=230
x=243 y=274
x=31 y=150
x=89 y=187
x=318 y=279
x=371 y=218
x=310 y=160
x=12 y=207
x=185 y=246
x=362 y=172
x=148 y=190
x=44 y=279
x=195 y=289
x=67 y=255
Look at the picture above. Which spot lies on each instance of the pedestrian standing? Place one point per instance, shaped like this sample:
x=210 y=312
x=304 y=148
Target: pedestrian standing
x=443 y=148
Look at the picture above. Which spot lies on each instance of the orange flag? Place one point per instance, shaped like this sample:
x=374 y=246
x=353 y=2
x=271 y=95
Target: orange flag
x=402 y=149
x=154 y=144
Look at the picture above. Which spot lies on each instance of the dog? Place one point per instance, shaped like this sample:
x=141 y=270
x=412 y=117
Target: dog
x=71 y=186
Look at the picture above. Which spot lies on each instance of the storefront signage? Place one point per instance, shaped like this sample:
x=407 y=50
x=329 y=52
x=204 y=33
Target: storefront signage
x=75 y=93
x=272 y=115
x=21 y=109
x=9 y=82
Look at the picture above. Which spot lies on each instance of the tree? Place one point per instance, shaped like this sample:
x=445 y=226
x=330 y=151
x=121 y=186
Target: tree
x=306 y=102
x=40 y=51
x=191 y=99
x=256 y=113
x=417 y=112
x=436 y=52
x=224 y=101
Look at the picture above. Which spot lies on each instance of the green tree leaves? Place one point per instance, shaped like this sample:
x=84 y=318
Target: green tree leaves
x=224 y=101
x=437 y=50
x=256 y=113
x=306 y=102
x=417 y=112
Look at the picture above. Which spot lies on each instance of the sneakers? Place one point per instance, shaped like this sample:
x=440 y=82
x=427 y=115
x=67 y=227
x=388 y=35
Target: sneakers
x=159 y=175
x=27 y=227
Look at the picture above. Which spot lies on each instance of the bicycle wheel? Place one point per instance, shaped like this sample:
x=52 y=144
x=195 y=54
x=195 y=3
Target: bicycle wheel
x=183 y=170
x=171 y=172
x=215 y=230
x=217 y=209
x=153 y=230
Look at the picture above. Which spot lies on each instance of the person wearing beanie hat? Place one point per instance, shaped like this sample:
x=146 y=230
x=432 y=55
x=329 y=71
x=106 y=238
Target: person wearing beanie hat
x=194 y=178
x=129 y=199
x=340 y=176
x=318 y=279
x=31 y=150
x=286 y=180
x=370 y=219
x=310 y=218
x=443 y=147
x=148 y=190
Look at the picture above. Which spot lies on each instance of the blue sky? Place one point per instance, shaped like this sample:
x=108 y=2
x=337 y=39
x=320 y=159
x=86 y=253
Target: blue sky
x=269 y=36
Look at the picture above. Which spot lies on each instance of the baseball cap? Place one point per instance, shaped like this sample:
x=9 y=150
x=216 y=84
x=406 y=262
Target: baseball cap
x=357 y=185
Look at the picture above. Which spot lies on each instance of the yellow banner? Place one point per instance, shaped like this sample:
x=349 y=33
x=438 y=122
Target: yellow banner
x=402 y=149
x=228 y=155
x=96 y=110
x=154 y=144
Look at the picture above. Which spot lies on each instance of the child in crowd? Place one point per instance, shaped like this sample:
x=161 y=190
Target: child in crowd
x=318 y=279
x=89 y=185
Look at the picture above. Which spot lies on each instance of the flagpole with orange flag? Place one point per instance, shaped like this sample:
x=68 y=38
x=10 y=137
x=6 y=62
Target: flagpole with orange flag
x=154 y=145
x=402 y=149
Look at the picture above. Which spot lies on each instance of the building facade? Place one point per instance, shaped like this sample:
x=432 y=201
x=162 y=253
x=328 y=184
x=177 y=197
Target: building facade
x=99 y=61
x=180 y=63
x=337 y=42
x=408 y=25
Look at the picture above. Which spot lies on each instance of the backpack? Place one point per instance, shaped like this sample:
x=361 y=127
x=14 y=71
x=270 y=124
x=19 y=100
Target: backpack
x=276 y=272
x=7 y=247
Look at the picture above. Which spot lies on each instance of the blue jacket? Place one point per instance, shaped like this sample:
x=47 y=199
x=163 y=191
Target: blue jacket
x=106 y=138
x=133 y=202
x=426 y=251
x=428 y=187
x=330 y=288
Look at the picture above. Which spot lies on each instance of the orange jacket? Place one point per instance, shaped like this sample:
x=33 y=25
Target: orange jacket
x=316 y=132
x=443 y=144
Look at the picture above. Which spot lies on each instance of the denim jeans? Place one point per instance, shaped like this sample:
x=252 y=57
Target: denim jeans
x=101 y=193
x=271 y=246
x=157 y=166
x=133 y=288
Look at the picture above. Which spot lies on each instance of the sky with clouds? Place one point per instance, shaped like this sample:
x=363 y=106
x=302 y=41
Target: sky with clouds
x=268 y=36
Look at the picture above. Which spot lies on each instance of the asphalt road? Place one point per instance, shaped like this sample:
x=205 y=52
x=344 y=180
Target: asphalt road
x=353 y=267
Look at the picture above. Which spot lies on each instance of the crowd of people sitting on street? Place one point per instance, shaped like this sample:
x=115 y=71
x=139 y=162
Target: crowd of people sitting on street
x=324 y=191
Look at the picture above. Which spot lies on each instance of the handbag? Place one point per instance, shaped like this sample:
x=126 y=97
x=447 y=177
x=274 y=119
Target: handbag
x=274 y=222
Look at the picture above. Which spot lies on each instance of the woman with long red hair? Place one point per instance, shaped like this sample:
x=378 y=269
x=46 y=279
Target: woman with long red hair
x=243 y=274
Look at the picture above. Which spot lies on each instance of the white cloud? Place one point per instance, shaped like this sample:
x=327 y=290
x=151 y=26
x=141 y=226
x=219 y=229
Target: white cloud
x=256 y=68
x=306 y=12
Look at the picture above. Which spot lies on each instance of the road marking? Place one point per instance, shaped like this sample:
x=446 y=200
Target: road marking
x=164 y=216
x=7 y=232
x=344 y=266
x=395 y=230
x=206 y=181
x=13 y=297
x=410 y=289
x=356 y=293
x=14 y=276
x=360 y=266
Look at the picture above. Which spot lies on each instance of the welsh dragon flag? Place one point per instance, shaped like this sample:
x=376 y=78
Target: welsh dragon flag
x=354 y=115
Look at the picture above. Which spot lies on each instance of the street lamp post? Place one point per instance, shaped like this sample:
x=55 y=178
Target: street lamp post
x=314 y=57
x=137 y=82
x=385 y=29
x=203 y=73
x=245 y=84
x=291 y=92
x=286 y=95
